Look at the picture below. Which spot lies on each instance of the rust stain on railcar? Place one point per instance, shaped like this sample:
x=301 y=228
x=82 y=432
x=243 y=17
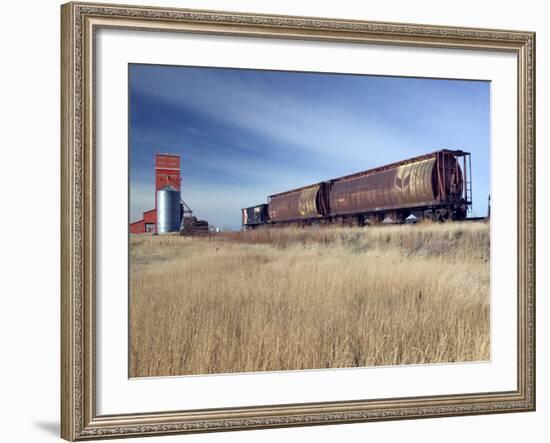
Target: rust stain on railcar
x=295 y=205
x=406 y=185
x=452 y=176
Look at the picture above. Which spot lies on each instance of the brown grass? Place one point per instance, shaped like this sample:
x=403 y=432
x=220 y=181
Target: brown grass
x=289 y=299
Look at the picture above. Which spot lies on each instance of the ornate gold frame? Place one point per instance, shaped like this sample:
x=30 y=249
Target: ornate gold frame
x=79 y=420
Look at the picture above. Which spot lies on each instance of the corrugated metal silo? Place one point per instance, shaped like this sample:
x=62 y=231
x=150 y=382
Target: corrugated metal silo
x=168 y=210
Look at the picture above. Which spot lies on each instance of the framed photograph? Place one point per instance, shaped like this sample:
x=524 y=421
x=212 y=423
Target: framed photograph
x=283 y=221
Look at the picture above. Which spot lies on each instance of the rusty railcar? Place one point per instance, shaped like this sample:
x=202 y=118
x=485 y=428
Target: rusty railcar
x=431 y=186
x=434 y=186
x=304 y=204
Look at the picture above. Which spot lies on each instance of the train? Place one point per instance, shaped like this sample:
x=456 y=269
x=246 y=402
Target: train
x=435 y=186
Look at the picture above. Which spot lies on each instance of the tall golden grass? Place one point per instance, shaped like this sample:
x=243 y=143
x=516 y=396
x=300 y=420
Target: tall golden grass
x=288 y=299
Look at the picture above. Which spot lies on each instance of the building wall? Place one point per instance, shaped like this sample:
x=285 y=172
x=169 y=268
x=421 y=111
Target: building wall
x=167 y=171
x=137 y=227
x=150 y=217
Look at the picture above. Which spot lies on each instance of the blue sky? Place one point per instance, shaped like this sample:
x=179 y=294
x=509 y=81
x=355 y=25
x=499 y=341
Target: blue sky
x=245 y=134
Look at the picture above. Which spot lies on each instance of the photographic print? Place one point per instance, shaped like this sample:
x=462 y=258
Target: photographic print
x=299 y=220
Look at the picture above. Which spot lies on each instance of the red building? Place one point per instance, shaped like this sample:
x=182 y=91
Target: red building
x=167 y=172
x=137 y=227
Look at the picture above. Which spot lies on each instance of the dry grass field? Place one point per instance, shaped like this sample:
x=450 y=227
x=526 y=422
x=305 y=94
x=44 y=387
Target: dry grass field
x=289 y=299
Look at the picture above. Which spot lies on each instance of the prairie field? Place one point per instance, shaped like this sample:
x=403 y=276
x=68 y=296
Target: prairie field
x=292 y=298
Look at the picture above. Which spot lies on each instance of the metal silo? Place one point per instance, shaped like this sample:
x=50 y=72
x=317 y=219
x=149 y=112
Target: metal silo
x=168 y=210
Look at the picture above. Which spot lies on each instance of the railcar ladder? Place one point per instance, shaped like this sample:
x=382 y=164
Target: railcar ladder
x=468 y=191
x=468 y=179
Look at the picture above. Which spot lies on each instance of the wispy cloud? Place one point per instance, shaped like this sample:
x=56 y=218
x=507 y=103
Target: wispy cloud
x=336 y=126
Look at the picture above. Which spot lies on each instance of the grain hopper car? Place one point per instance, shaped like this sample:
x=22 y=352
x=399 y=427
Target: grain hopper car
x=435 y=186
